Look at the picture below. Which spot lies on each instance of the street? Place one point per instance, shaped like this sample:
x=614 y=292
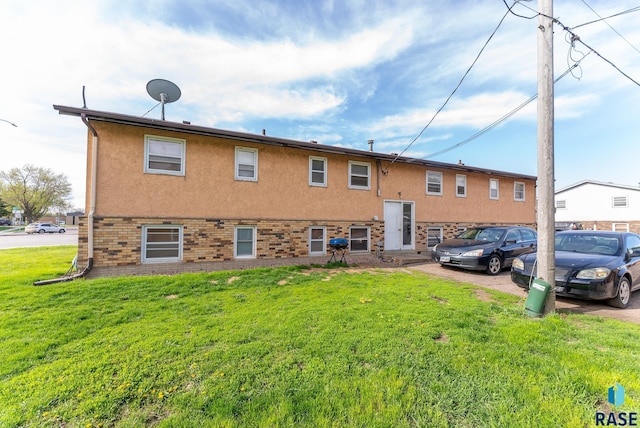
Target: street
x=21 y=239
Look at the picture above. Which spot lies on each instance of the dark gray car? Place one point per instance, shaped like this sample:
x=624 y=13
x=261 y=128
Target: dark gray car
x=486 y=248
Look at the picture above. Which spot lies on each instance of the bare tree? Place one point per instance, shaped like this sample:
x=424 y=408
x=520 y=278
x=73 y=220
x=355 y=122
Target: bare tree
x=35 y=190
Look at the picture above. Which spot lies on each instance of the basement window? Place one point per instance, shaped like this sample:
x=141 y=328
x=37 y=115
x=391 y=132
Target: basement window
x=359 y=239
x=161 y=244
x=245 y=242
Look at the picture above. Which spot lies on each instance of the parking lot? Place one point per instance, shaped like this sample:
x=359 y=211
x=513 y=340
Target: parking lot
x=10 y=239
x=502 y=282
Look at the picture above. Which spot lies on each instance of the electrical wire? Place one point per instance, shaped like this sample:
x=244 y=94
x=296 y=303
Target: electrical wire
x=609 y=25
x=454 y=90
x=503 y=118
x=634 y=9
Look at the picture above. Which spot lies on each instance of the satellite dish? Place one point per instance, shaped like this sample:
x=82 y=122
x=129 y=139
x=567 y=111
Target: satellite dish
x=163 y=91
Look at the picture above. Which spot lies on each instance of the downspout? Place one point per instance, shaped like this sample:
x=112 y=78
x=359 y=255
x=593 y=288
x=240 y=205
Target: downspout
x=92 y=208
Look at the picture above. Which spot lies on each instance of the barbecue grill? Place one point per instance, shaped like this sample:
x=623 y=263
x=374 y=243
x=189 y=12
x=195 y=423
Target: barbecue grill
x=338 y=247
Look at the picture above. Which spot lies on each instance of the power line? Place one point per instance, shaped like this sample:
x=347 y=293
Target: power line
x=609 y=25
x=454 y=90
x=634 y=9
x=503 y=118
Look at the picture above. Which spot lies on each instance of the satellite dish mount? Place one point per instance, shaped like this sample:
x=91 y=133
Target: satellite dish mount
x=163 y=91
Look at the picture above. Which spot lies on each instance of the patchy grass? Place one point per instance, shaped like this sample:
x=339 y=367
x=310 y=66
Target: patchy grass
x=295 y=347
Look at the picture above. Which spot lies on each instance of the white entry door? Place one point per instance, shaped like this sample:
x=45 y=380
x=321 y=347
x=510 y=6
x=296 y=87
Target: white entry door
x=398 y=225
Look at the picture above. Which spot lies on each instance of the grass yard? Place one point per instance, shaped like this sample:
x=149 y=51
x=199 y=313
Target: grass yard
x=295 y=347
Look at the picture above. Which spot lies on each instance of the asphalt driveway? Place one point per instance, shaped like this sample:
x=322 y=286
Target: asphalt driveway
x=502 y=282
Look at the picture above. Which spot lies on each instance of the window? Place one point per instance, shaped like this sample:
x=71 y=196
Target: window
x=434 y=183
x=163 y=155
x=317 y=171
x=161 y=244
x=633 y=243
x=528 y=235
x=494 y=188
x=620 y=227
x=245 y=242
x=434 y=236
x=620 y=202
x=461 y=186
x=246 y=164
x=317 y=244
x=518 y=191
x=561 y=204
x=359 y=175
x=358 y=239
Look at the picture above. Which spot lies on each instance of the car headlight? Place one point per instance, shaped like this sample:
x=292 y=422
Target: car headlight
x=473 y=253
x=518 y=264
x=595 y=273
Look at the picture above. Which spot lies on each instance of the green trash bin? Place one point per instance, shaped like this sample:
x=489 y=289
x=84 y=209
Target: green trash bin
x=537 y=296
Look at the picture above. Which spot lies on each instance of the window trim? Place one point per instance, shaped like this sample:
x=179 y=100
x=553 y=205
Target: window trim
x=515 y=191
x=368 y=165
x=324 y=241
x=145 y=228
x=438 y=174
x=255 y=164
x=311 y=171
x=461 y=195
x=497 y=189
x=148 y=138
x=368 y=229
x=254 y=240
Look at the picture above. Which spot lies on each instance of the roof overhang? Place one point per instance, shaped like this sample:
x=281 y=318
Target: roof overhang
x=187 y=128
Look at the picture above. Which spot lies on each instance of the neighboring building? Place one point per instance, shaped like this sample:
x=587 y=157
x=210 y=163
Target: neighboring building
x=166 y=197
x=599 y=206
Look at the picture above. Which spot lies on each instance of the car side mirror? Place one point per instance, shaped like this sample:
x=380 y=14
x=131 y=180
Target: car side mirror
x=634 y=252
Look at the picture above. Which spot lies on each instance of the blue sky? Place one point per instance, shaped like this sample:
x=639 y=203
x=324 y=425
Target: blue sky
x=338 y=72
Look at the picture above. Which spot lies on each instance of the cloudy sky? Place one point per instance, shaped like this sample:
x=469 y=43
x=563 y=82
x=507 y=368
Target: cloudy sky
x=339 y=72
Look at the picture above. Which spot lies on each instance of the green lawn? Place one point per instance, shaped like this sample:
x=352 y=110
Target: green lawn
x=295 y=347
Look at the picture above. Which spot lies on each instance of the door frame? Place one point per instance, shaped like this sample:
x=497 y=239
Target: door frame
x=412 y=225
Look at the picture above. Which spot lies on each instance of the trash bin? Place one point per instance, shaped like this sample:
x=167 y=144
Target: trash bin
x=537 y=296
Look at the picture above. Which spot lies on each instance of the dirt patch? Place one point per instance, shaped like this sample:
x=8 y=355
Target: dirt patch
x=502 y=282
x=232 y=279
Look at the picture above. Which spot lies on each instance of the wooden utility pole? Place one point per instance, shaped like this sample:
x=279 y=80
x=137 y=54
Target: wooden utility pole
x=546 y=206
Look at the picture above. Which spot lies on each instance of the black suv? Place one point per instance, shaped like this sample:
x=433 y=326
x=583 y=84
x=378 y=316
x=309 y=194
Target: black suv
x=5 y=222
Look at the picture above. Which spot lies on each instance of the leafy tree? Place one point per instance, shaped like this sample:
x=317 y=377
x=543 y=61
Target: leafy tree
x=35 y=190
x=4 y=209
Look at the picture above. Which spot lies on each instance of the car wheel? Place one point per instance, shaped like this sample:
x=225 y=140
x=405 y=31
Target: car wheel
x=624 y=294
x=41 y=231
x=495 y=265
x=61 y=231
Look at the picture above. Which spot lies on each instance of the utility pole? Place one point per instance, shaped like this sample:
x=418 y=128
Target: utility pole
x=546 y=186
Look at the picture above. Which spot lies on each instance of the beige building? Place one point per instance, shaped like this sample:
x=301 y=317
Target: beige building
x=166 y=197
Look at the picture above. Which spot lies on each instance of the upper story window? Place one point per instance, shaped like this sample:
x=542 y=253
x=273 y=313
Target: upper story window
x=161 y=244
x=359 y=173
x=518 y=191
x=164 y=155
x=434 y=183
x=317 y=171
x=494 y=188
x=461 y=186
x=620 y=202
x=246 y=164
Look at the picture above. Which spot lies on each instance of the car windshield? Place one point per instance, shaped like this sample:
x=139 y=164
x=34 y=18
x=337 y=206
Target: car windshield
x=588 y=244
x=489 y=234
